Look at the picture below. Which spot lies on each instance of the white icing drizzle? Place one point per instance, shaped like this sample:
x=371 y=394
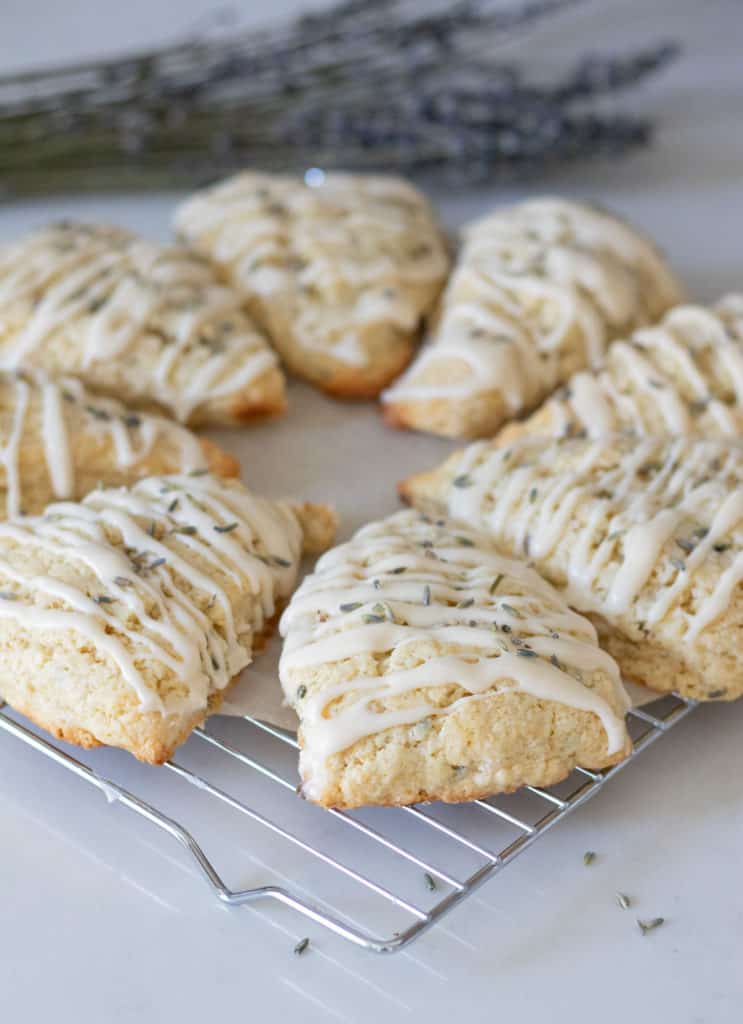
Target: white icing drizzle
x=683 y=376
x=134 y=436
x=10 y=452
x=407 y=581
x=641 y=520
x=55 y=437
x=333 y=258
x=115 y=293
x=178 y=571
x=537 y=284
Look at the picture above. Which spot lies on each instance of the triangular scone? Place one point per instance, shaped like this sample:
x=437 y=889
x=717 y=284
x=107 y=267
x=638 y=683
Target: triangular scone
x=146 y=323
x=125 y=617
x=424 y=665
x=339 y=269
x=58 y=440
x=684 y=376
x=643 y=535
x=539 y=291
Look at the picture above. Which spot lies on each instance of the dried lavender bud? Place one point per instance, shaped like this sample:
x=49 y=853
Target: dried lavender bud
x=227 y=528
x=496 y=583
x=649 y=926
x=99 y=414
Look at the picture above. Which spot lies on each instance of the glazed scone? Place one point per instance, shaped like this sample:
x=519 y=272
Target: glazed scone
x=424 y=665
x=340 y=271
x=684 y=376
x=644 y=535
x=124 y=618
x=58 y=440
x=148 y=324
x=538 y=292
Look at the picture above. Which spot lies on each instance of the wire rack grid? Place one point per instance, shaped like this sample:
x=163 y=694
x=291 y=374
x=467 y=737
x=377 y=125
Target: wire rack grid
x=427 y=859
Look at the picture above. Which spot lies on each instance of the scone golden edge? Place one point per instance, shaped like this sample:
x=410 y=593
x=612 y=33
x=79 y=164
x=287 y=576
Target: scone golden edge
x=539 y=290
x=684 y=376
x=124 y=618
x=340 y=270
x=59 y=441
x=149 y=324
x=643 y=535
x=425 y=665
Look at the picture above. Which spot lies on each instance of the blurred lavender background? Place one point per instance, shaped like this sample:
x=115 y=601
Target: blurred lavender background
x=465 y=92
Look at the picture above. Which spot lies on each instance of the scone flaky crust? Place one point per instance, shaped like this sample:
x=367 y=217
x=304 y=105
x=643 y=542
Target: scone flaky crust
x=645 y=535
x=538 y=292
x=125 y=617
x=426 y=666
x=683 y=376
x=145 y=323
x=340 y=274
x=58 y=440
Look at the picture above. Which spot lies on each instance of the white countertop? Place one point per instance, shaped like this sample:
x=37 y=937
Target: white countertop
x=103 y=918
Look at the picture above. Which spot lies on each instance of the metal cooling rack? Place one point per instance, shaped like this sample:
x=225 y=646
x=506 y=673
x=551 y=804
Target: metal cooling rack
x=427 y=858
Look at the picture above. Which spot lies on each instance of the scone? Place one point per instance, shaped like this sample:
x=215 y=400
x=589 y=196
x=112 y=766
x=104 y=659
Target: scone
x=539 y=291
x=148 y=324
x=644 y=535
x=124 y=618
x=339 y=270
x=424 y=665
x=58 y=440
x=684 y=376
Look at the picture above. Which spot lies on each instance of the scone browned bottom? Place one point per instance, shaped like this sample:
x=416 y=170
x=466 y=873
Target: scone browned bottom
x=424 y=665
x=125 y=617
x=645 y=535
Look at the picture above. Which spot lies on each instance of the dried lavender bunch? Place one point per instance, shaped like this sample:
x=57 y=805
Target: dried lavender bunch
x=365 y=85
x=487 y=121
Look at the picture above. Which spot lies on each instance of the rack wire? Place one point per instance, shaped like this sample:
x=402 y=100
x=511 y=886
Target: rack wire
x=426 y=859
